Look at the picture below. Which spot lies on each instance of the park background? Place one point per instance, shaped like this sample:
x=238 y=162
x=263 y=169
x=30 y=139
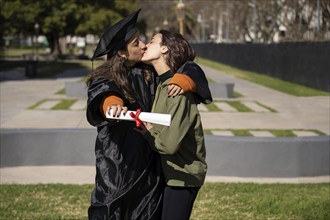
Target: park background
x=282 y=45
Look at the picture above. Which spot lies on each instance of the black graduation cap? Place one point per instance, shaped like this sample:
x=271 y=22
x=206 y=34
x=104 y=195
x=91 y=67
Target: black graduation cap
x=116 y=36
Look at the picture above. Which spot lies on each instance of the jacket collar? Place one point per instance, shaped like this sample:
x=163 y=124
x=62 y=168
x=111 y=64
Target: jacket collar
x=165 y=76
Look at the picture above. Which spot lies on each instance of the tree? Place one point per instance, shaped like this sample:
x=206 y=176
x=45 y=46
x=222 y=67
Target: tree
x=59 y=18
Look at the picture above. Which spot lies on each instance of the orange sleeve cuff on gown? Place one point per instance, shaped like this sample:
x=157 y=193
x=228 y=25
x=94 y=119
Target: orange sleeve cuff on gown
x=184 y=81
x=110 y=101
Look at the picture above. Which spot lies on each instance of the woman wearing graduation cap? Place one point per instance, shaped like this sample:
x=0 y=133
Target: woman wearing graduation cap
x=128 y=183
x=128 y=178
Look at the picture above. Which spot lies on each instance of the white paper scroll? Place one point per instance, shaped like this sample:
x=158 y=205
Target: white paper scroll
x=155 y=118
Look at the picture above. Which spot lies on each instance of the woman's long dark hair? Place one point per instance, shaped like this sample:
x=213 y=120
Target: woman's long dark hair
x=114 y=69
x=179 y=49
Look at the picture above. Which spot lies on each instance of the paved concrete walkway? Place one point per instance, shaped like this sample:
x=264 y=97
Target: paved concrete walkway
x=292 y=112
x=18 y=94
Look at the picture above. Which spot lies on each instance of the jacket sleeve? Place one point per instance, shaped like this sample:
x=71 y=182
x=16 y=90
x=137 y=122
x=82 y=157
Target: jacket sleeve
x=183 y=81
x=168 y=139
x=99 y=89
x=196 y=73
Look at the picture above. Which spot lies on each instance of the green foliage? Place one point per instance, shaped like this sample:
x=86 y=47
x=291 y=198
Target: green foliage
x=58 y=18
x=19 y=16
x=97 y=21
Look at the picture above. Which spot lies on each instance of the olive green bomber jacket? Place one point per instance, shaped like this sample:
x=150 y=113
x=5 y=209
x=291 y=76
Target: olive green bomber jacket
x=181 y=145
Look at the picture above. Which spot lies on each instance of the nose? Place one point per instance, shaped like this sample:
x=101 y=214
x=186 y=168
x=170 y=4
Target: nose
x=143 y=45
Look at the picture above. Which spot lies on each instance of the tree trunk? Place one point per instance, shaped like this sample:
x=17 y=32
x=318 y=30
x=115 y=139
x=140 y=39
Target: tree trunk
x=55 y=49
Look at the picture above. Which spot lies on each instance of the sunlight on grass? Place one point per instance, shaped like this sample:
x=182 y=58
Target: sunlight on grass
x=214 y=201
x=239 y=106
x=282 y=133
x=237 y=94
x=266 y=107
x=241 y=132
x=253 y=201
x=38 y=103
x=277 y=84
x=64 y=104
x=61 y=92
x=276 y=132
x=212 y=107
x=54 y=201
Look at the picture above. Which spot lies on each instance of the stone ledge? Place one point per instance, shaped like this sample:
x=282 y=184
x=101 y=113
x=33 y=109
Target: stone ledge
x=222 y=90
x=226 y=156
x=268 y=156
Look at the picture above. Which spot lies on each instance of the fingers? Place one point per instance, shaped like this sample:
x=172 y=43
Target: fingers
x=117 y=110
x=174 y=90
x=124 y=110
x=108 y=111
x=148 y=125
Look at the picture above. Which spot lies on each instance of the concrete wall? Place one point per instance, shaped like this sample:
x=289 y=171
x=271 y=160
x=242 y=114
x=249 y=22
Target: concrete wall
x=226 y=156
x=37 y=147
x=268 y=157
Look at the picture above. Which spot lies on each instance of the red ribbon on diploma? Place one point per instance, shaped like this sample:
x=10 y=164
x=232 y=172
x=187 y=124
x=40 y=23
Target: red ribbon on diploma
x=136 y=117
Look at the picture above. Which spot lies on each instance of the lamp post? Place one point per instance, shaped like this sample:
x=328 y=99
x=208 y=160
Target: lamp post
x=318 y=15
x=254 y=20
x=36 y=28
x=199 y=20
x=180 y=13
x=31 y=64
x=226 y=25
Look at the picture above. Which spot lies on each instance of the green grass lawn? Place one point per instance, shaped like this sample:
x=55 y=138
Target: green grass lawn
x=17 y=52
x=273 y=83
x=215 y=201
x=275 y=132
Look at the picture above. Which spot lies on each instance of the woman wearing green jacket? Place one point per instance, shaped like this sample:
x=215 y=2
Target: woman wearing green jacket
x=181 y=145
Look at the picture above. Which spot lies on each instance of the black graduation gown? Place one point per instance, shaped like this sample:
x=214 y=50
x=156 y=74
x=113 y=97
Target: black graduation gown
x=128 y=183
x=196 y=73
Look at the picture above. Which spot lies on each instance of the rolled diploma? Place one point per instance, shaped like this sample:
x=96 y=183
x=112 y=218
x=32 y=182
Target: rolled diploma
x=155 y=118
